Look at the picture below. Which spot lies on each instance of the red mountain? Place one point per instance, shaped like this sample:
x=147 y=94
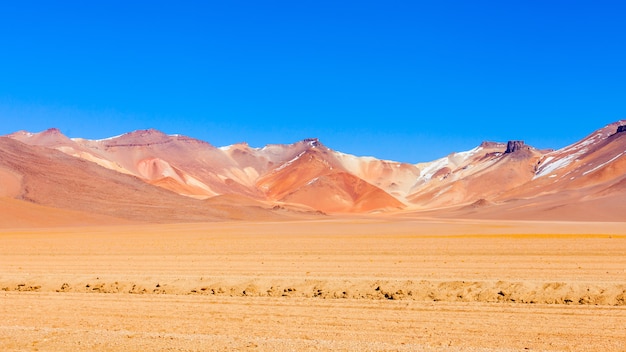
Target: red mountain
x=150 y=176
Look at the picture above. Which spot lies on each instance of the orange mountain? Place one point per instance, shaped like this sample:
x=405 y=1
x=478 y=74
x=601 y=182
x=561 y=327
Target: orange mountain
x=150 y=176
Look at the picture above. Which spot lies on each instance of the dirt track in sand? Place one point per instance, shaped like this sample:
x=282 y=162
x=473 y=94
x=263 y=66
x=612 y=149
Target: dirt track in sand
x=350 y=284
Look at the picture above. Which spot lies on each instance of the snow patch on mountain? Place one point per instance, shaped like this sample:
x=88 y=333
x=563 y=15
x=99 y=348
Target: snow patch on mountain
x=454 y=159
x=467 y=154
x=103 y=139
x=312 y=181
x=290 y=161
x=603 y=164
x=430 y=169
x=549 y=166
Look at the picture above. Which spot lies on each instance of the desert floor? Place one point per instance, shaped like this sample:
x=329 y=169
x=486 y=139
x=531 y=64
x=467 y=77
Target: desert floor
x=341 y=284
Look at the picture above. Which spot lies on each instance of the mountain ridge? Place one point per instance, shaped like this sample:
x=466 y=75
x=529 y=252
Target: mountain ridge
x=308 y=175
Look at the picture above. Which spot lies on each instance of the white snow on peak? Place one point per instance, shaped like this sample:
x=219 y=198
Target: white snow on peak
x=225 y=148
x=312 y=142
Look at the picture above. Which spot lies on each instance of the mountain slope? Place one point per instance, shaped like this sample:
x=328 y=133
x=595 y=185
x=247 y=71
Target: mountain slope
x=597 y=160
x=483 y=172
x=582 y=181
x=51 y=178
x=197 y=169
x=317 y=179
x=152 y=170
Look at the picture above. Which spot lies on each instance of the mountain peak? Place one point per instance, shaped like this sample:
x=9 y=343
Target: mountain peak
x=513 y=146
x=49 y=137
x=313 y=142
x=138 y=137
x=52 y=131
x=310 y=174
x=145 y=133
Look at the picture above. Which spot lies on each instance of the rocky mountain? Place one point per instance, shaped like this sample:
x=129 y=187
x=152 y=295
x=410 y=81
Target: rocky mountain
x=50 y=178
x=148 y=175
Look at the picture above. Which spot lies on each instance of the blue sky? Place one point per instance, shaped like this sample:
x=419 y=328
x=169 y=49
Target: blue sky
x=404 y=80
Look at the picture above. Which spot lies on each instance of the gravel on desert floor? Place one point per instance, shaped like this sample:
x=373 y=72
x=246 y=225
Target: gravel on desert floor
x=348 y=284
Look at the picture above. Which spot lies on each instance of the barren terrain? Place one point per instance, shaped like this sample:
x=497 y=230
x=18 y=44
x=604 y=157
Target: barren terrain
x=150 y=176
x=338 y=284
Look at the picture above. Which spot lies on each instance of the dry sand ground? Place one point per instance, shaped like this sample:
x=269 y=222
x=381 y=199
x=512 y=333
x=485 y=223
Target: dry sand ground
x=343 y=284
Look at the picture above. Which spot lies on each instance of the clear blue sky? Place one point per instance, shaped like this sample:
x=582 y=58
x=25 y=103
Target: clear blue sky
x=403 y=80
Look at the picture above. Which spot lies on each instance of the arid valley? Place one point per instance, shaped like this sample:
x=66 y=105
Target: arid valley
x=313 y=176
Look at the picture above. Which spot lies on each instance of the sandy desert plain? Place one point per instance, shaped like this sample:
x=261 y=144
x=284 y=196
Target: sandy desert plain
x=347 y=284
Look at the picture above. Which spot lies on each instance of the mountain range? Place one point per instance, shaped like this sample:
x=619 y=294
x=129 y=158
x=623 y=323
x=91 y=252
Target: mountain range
x=149 y=176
